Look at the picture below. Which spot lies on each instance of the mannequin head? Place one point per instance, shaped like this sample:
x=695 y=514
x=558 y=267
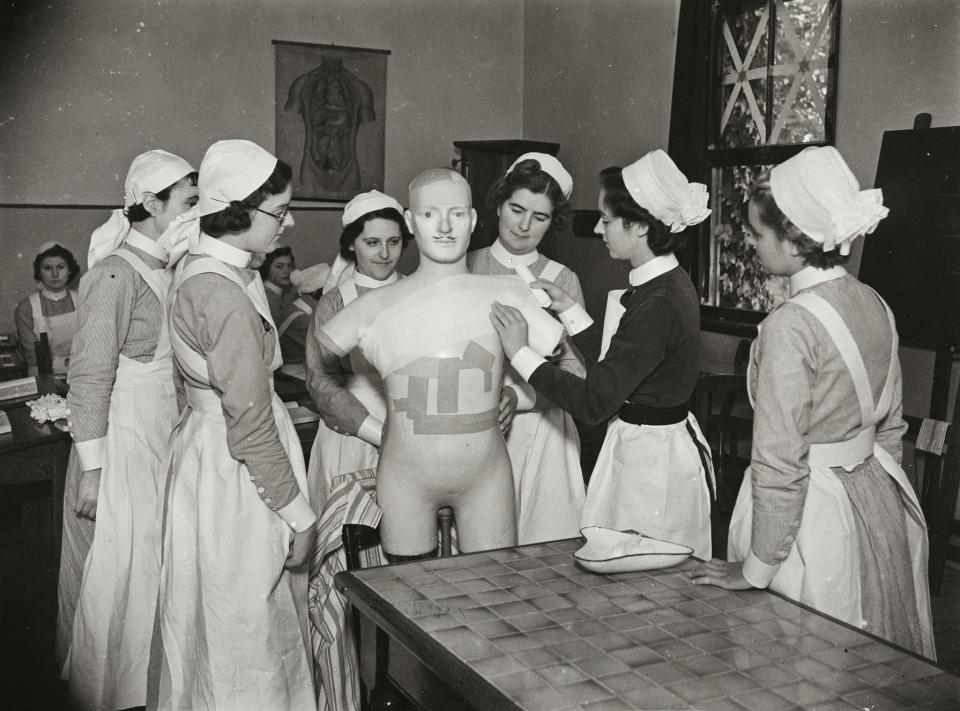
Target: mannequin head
x=441 y=216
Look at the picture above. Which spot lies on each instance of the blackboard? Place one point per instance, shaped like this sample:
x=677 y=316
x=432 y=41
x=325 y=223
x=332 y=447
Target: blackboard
x=913 y=258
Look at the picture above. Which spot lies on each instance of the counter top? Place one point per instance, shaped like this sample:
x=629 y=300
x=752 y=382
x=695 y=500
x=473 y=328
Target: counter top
x=526 y=628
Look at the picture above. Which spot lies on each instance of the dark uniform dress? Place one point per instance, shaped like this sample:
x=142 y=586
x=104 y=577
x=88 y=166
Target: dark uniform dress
x=651 y=475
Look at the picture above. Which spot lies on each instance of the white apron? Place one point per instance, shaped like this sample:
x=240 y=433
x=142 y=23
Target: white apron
x=109 y=653
x=59 y=329
x=295 y=370
x=229 y=636
x=333 y=453
x=651 y=478
x=544 y=449
x=827 y=577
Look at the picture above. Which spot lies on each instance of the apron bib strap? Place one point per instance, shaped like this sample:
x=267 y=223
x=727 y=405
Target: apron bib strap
x=849 y=351
x=551 y=271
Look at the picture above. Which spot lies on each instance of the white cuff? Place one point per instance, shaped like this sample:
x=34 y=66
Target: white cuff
x=297 y=514
x=758 y=573
x=371 y=430
x=526 y=361
x=575 y=319
x=90 y=453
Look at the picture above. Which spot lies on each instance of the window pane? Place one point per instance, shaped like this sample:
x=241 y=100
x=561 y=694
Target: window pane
x=737 y=280
x=799 y=70
x=743 y=71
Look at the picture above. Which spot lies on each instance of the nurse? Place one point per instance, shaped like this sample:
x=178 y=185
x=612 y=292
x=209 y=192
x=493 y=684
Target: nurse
x=651 y=474
x=275 y=273
x=826 y=515
x=237 y=518
x=532 y=201
x=52 y=309
x=123 y=406
x=374 y=235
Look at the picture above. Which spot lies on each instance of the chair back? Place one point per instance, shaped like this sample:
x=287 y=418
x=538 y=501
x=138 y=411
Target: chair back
x=940 y=443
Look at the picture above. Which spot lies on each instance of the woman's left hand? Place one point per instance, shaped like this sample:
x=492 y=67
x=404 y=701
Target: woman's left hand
x=721 y=573
x=511 y=325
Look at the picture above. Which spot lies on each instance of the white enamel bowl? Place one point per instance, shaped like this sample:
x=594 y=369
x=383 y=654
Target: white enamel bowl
x=611 y=551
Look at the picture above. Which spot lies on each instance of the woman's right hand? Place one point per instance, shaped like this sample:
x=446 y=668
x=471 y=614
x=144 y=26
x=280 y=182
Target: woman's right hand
x=301 y=547
x=87 y=492
x=559 y=299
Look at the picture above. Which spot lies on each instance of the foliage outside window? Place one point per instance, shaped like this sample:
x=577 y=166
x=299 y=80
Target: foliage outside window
x=773 y=94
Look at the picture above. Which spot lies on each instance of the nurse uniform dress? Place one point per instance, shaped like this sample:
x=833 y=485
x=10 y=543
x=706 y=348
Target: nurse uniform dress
x=54 y=314
x=292 y=331
x=277 y=299
x=123 y=407
x=653 y=473
x=229 y=636
x=825 y=514
x=334 y=453
x=543 y=443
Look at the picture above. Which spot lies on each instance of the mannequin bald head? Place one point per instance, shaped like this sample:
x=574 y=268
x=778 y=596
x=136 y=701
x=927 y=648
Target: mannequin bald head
x=441 y=216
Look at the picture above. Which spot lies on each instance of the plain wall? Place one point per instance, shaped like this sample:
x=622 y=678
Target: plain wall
x=85 y=86
x=598 y=80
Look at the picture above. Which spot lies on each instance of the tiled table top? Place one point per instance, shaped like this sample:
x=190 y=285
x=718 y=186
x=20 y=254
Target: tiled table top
x=547 y=634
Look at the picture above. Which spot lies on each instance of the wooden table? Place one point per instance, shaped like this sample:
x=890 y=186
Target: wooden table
x=526 y=628
x=33 y=466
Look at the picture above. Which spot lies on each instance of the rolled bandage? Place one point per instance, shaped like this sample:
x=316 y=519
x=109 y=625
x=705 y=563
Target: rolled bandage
x=539 y=294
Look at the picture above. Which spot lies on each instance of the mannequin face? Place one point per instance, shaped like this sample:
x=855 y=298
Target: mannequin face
x=378 y=248
x=280 y=269
x=268 y=222
x=525 y=218
x=54 y=273
x=778 y=256
x=441 y=219
x=183 y=196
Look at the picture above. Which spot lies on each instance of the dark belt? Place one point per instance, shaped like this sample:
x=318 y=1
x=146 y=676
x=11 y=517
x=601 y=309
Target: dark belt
x=636 y=414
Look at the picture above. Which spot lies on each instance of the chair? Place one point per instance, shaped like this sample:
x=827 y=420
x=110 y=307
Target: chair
x=938 y=486
x=721 y=406
x=359 y=544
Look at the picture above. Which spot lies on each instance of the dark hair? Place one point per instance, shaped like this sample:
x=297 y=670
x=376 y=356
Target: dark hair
x=620 y=202
x=235 y=217
x=353 y=230
x=528 y=174
x=772 y=216
x=138 y=213
x=271 y=257
x=56 y=251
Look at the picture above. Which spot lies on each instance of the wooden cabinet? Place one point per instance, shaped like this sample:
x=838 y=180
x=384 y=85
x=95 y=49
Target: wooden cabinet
x=481 y=163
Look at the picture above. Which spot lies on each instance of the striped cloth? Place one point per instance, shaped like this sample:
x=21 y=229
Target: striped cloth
x=336 y=673
x=352 y=499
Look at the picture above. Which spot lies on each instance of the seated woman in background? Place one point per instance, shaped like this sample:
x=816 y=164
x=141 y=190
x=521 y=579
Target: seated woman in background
x=275 y=274
x=826 y=515
x=532 y=200
x=373 y=236
x=52 y=309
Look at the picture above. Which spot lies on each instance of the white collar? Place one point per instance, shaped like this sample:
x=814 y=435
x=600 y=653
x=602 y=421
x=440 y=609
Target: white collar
x=53 y=295
x=145 y=244
x=652 y=269
x=270 y=286
x=371 y=283
x=509 y=259
x=226 y=253
x=811 y=276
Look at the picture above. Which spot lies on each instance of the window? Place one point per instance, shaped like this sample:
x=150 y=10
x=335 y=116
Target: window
x=767 y=74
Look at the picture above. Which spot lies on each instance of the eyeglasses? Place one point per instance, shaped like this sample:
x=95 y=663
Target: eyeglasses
x=279 y=218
